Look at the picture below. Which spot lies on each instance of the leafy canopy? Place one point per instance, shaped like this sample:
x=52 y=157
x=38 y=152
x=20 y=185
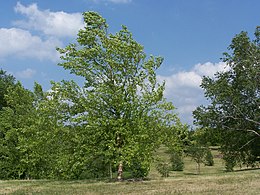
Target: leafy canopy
x=120 y=108
x=234 y=110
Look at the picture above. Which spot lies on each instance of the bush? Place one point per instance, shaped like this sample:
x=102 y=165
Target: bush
x=95 y=167
x=197 y=153
x=177 y=162
x=230 y=163
x=209 y=158
x=139 y=169
x=163 y=168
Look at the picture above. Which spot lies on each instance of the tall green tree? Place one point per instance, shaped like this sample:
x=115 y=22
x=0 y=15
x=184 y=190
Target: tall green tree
x=25 y=131
x=5 y=82
x=234 y=109
x=35 y=140
x=120 y=108
x=16 y=121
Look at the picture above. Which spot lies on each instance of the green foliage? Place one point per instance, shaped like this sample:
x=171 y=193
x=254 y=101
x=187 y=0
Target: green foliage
x=31 y=142
x=209 y=161
x=197 y=153
x=94 y=169
x=139 y=169
x=230 y=162
x=18 y=159
x=234 y=112
x=6 y=81
x=120 y=108
x=163 y=168
x=206 y=136
x=119 y=115
x=177 y=161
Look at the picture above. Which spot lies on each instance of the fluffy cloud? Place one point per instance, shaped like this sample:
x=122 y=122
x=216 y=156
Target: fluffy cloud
x=183 y=88
x=18 y=42
x=59 y=24
x=48 y=30
x=209 y=69
x=26 y=74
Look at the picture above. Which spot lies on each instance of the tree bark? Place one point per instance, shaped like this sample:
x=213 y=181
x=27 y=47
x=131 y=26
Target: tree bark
x=198 y=168
x=120 y=171
x=110 y=171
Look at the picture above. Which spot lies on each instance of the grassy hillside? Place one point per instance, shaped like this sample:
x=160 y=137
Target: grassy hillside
x=212 y=180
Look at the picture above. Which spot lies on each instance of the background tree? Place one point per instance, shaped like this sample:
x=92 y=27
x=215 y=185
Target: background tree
x=16 y=129
x=163 y=168
x=209 y=161
x=197 y=153
x=5 y=82
x=29 y=140
x=177 y=161
x=234 y=95
x=120 y=108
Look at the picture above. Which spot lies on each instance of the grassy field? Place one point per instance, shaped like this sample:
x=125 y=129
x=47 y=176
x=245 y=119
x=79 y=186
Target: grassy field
x=212 y=180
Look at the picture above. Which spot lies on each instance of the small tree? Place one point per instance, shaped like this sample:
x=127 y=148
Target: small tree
x=197 y=153
x=230 y=163
x=163 y=168
x=209 y=161
x=177 y=161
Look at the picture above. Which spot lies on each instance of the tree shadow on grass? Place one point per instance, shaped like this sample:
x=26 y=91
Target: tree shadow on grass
x=247 y=169
x=190 y=173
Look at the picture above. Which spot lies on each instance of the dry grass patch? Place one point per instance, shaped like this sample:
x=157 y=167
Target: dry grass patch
x=244 y=182
x=212 y=180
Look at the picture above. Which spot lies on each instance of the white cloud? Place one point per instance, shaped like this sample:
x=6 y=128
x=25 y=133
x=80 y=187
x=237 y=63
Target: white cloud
x=18 y=42
x=183 y=88
x=209 y=69
x=26 y=74
x=24 y=42
x=59 y=24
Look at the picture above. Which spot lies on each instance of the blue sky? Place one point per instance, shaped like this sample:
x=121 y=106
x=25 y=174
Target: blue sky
x=191 y=35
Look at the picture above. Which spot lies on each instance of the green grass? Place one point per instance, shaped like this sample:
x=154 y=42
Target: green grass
x=212 y=180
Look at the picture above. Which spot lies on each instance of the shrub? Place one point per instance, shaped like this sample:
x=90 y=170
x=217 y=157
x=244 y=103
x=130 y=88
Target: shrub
x=209 y=158
x=139 y=169
x=230 y=162
x=197 y=153
x=177 y=161
x=163 y=168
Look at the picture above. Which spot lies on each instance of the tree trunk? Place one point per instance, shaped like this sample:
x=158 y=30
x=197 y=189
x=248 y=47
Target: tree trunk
x=120 y=171
x=198 y=168
x=120 y=166
x=110 y=171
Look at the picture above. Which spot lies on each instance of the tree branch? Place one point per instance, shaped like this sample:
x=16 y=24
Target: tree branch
x=248 y=130
x=247 y=143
